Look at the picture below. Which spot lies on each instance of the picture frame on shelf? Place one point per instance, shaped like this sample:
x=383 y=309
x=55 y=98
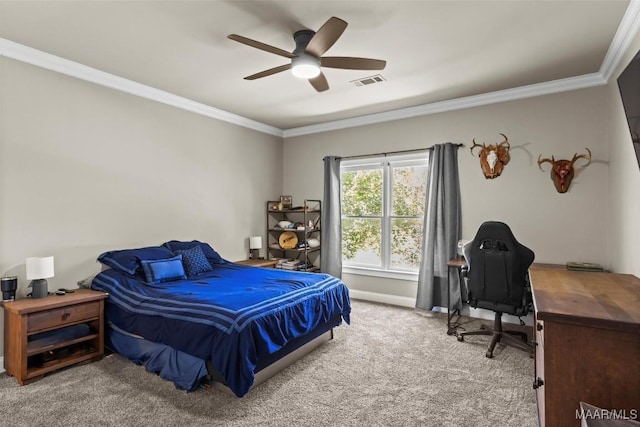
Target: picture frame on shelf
x=286 y=201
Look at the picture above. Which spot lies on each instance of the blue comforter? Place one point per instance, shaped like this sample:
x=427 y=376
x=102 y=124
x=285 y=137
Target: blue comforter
x=232 y=315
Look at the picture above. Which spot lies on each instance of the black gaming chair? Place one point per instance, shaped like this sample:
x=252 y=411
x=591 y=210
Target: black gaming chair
x=498 y=280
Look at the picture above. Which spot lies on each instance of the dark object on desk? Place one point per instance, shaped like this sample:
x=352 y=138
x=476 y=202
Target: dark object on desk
x=498 y=281
x=584 y=266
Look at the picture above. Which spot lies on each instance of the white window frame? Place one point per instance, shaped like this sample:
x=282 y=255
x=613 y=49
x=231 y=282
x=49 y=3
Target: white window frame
x=386 y=163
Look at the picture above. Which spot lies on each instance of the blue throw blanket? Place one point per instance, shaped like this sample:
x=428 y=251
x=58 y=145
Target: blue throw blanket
x=232 y=315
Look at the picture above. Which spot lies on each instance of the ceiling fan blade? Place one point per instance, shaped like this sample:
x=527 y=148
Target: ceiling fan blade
x=326 y=36
x=350 y=63
x=261 y=46
x=319 y=83
x=268 y=72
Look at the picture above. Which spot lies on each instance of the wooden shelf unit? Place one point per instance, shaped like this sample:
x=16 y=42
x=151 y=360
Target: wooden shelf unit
x=24 y=318
x=310 y=257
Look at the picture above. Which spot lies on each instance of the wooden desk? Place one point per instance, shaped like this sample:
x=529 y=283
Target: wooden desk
x=587 y=342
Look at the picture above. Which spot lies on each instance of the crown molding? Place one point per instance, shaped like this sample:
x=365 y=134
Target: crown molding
x=50 y=62
x=629 y=27
x=572 y=83
x=627 y=30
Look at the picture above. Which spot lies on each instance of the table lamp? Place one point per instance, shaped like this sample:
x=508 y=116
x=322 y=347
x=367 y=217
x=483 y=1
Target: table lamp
x=38 y=271
x=255 y=244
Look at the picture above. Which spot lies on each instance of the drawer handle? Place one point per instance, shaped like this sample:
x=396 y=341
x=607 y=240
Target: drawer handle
x=65 y=316
x=539 y=326
x=538 y=383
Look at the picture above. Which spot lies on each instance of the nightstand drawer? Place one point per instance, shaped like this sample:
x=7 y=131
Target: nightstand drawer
x=58 y=317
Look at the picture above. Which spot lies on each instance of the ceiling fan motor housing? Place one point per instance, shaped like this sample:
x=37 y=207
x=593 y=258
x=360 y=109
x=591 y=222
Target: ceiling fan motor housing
x=302 y=39
x=304 y=65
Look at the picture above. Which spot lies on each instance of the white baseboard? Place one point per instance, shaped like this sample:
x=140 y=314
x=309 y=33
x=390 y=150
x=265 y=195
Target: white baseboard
x=483 y=314
x=411 y=303
x=383 y=298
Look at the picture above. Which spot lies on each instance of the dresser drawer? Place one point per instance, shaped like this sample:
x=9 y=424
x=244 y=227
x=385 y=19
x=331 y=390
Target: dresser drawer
x=58 y=317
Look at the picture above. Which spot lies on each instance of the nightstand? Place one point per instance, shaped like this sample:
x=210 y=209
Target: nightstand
x=46 y=334
x=259 y=262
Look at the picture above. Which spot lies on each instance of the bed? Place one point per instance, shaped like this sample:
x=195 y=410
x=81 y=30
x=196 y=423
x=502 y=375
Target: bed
x=186 y=313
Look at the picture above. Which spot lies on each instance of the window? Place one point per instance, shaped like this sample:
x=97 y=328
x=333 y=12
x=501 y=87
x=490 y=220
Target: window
x=383 y=202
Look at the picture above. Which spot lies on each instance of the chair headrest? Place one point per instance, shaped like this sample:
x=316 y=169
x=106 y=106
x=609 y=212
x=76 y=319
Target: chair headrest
x=495 y=230
x=497 y=236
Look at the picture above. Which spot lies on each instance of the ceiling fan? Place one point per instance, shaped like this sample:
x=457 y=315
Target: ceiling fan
x=306 y=59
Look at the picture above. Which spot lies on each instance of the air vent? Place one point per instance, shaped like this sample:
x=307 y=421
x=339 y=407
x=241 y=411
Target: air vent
x=369 y=80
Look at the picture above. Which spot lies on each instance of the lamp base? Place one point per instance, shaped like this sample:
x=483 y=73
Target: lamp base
x=39 y=288
x=255 y=254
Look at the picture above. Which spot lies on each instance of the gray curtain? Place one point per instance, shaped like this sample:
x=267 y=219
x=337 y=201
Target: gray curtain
x=442 y=229
x=331 y=220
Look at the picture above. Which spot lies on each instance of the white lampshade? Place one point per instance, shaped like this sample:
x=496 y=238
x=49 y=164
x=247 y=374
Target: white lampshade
x=255 y=242
x=39 y=268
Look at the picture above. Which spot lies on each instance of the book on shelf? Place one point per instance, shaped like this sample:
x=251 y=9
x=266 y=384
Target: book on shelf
x=584 y=266
x=288 y=264
x=299 y=267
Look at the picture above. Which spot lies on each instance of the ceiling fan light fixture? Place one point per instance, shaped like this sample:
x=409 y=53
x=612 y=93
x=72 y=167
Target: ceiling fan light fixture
x=305 y=67
x=308 y=56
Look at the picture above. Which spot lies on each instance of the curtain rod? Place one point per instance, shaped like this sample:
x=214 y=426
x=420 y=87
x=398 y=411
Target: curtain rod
x=393 y=152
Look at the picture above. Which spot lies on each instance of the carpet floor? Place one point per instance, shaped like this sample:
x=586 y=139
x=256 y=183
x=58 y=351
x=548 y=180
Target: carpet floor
x=391 y=367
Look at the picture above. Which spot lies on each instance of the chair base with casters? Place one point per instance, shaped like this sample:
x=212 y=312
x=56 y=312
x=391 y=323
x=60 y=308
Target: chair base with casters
x=516 y=339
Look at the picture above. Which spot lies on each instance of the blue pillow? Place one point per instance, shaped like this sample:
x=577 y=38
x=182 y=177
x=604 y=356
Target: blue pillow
x=163 y=270
x=128 y=260
x=194 y=261
x=209 y=253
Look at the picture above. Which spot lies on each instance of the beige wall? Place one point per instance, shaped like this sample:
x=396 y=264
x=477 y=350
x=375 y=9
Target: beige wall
x=84 y=169
x=558 y=227
x=623 y=229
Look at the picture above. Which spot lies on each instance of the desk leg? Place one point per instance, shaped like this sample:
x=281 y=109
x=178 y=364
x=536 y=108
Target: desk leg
x=452 y=326
x=450 y=330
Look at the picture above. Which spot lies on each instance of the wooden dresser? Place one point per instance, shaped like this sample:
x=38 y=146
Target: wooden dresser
x=587 y=342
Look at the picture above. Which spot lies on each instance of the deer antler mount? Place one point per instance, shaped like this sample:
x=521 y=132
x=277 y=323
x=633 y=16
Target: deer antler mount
x=493 y=158
x=562 y=170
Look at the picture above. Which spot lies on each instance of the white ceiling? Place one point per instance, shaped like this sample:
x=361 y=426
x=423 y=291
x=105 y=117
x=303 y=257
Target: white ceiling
x=435 y=50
